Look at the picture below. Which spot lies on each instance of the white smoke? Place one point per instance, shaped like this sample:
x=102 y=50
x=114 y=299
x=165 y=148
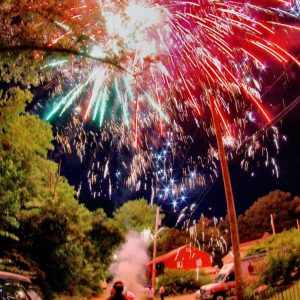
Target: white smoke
x=130 y=265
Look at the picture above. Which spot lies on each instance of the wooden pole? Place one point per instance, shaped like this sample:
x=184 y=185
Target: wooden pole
x=154 y=249
x=57 y=179
x=230 y=204
x=272 y=223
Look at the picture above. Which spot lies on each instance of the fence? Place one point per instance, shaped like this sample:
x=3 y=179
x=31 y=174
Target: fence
x=291 y=292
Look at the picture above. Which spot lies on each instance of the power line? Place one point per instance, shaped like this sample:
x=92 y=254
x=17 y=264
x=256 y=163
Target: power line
x=257 y=134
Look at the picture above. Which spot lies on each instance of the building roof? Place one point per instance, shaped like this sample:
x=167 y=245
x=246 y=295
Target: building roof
x=244 y=247
x=165 y=256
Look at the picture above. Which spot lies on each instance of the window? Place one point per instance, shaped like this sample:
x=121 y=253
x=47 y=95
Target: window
x=230 y=277
x=199 y=262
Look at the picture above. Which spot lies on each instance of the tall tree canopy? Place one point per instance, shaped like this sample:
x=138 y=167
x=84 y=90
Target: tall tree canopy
x=256 y=220
x=135 y=215
x=44 y=231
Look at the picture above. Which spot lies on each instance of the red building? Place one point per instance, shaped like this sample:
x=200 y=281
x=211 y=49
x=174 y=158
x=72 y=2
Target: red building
x=186 y=257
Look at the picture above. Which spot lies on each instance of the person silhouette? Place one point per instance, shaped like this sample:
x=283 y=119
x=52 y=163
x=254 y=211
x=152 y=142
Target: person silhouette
x=162 y=292
x=250 y=268
x=117 y=291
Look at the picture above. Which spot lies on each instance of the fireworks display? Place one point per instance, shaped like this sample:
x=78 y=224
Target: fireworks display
x=165 y=61
x=112 y=165
x=135 y=81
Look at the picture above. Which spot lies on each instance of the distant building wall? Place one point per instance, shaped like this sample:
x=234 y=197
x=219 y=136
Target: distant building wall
x=184 y=258
x=189 y=258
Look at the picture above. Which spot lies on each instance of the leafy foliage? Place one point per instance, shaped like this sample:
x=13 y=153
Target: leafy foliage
x=23 y=68
x=178 y=282
x=44 y=231
x=12 y=168
x=256 y=220
x=25 y=24
x=104 y=237
x=283 y=256
x=135 y=215
x=170 y=239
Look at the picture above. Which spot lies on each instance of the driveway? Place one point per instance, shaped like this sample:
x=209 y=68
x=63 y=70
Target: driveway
x=183 y=297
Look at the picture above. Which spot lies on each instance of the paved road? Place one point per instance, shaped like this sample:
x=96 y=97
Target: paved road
x=183 y=297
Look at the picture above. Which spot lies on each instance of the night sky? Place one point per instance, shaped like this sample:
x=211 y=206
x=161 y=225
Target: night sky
x=280 y=88
x=246 y=188
x=210 y=200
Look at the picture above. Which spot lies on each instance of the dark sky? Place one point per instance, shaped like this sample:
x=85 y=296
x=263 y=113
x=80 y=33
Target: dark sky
x=210 y=200
x=247 y=189
x=278 y=93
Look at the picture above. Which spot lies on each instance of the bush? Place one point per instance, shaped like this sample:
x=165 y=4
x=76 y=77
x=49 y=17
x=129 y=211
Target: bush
x=279 y=266
x=283 y=256
x=249 y=291
x=178 y=282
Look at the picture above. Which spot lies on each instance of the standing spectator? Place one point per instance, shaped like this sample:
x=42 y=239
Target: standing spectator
x=117 y=291
x=162 y=292
x=174 y=289
x=149 y=293
x=250 y=268
x=129 y=295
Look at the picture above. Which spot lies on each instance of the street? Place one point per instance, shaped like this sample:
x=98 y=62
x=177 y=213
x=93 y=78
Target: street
x=182 y=297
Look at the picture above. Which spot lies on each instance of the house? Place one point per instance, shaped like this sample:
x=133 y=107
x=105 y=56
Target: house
x=244 y=247
x=186 y=257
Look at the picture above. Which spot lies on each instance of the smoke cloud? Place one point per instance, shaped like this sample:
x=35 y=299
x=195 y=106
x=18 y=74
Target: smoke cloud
x=130 y=265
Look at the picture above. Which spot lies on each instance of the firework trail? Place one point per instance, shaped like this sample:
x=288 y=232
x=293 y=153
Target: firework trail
x=164 y=58
x=112 y=164
x=155 y=66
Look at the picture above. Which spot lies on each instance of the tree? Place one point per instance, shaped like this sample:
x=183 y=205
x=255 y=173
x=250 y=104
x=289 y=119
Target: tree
x=13 y=166
x=256 y=220
x=104 y=238
x=182 y=281
x=25 y=24
x=53 y=236
x=210 y=239
x=71 y=245
x=47 y=30
x=9 y=198
x=44 y=231
x=135 y=215
x=282 y=257
x=170 y=239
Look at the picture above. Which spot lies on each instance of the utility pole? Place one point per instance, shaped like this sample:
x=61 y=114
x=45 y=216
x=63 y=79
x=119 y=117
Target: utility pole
x=154 y=248
x=230 y=203
x=53 y=189
x=272 y=223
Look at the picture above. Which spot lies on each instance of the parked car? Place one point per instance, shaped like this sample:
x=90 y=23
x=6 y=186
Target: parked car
x=17 y=287
x=225 y=281
x=220 y=286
